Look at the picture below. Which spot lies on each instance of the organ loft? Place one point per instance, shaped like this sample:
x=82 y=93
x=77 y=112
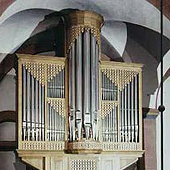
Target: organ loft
x=79 y=112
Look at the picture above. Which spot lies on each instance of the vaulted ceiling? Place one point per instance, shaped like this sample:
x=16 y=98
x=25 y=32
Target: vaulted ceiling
x=130 y=33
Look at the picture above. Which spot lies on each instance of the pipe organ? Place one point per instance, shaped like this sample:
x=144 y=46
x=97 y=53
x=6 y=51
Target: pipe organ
x=79 y=104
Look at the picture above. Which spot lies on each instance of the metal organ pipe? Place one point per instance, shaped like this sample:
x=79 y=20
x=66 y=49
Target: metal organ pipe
x=70 y=119
x=86 y=78
x=72 y=90
x=43 y=113
x=125 y=117
x=136 y=109
x=73 y=77
x=132 y=110
x=79 y=85
x=32 y=100
x=28 y=105
x=40 y=114
x=94 y=87
x=36 y=109
x=24 y=103
x=129 y=122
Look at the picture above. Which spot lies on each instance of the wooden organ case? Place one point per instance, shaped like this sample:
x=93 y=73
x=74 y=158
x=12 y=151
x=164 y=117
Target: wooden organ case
x=79 y=112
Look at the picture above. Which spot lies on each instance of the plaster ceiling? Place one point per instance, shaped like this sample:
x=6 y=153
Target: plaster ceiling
x=22 y=18
x=18 y=21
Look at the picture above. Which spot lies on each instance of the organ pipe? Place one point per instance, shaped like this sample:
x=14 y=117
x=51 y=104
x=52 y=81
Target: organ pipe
x=24 y=102
x=72 y=90
x=96 y=89
x=32 y=99
x=28 y=105
x=36 y=112
x=128 y=113
x=40 y=113
x=86 y=74
x=136 y=110
x=79 y=85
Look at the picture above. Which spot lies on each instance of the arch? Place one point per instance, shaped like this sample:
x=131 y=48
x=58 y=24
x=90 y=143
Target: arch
x=112 y=11
x=137 y=12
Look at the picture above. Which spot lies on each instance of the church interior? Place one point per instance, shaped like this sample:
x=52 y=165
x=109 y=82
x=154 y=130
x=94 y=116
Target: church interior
x=80 y=85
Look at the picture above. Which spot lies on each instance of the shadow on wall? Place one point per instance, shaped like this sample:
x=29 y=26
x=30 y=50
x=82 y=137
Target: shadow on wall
x=143 y=47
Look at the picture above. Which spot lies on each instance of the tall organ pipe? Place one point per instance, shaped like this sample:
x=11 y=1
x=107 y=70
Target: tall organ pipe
x=28 y=105
x=132 y=107
x=93 y=86
x=70 y=93
x=24 y=103
x=40 y=113
x=32 y=100
x=43 y=93
x=97 y=85
x=36 y=108
x=72 y=90
x=129 y=121
x=86 y=78
x=125 y=118
x=79 y=85
x=136 y=110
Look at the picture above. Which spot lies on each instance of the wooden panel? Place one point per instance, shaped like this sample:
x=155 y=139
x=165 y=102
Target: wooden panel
x=37 y=162
x=56 y=163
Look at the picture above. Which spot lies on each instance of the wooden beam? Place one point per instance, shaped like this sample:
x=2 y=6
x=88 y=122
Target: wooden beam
x=8 y=116
x=6 y=65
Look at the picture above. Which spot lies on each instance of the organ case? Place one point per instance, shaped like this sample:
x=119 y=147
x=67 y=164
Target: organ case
x=42 y=103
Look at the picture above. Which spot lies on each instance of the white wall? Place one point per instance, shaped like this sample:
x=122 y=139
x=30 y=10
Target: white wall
x=6 y=160
x=7 y=93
